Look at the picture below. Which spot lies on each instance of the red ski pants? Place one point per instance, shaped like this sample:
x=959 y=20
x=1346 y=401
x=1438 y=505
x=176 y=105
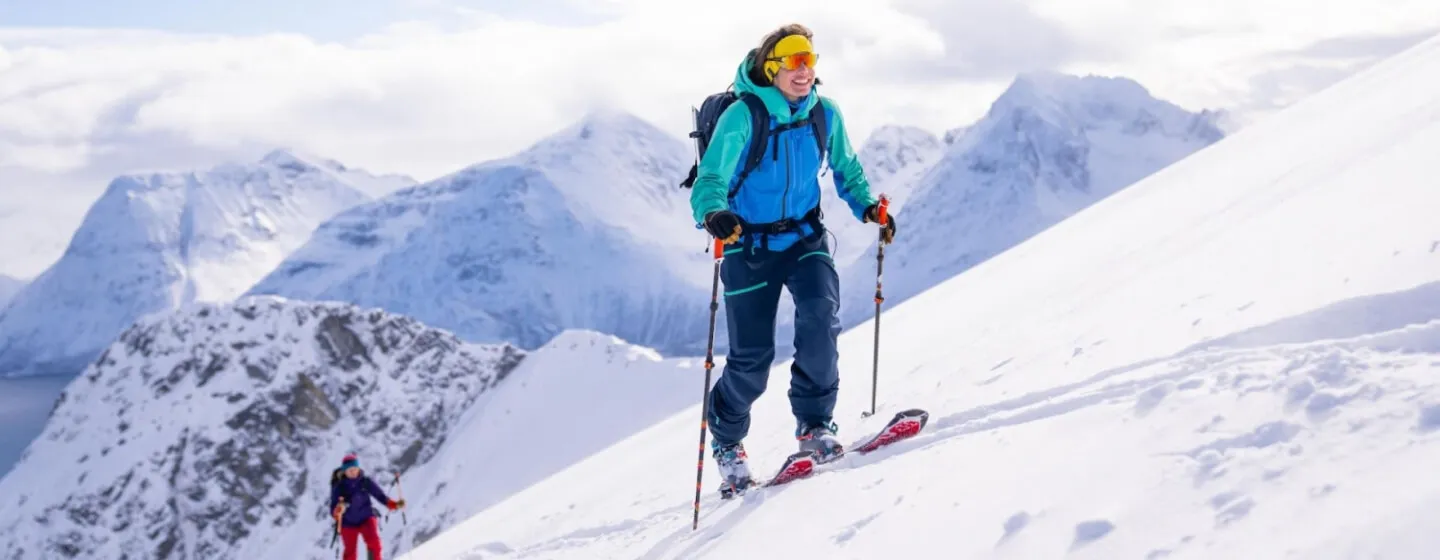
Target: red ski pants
x=370 y=529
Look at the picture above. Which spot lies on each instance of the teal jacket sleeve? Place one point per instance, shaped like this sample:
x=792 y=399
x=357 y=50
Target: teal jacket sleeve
x=711 y=190
x=850 y=181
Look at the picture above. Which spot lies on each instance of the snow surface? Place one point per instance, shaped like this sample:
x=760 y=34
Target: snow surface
x=154 y=242
x=588 y=229
x=1234 y=358
x=1050 y=145
x=577 y=395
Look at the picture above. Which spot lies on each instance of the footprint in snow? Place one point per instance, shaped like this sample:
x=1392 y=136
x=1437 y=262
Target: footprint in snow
x=1230 y=507
x=1014 y=524
x=1148 y=400
x=1090 y=531
x=1429 y=418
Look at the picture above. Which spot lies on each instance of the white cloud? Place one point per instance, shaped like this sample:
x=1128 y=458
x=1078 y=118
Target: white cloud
x=425 y=98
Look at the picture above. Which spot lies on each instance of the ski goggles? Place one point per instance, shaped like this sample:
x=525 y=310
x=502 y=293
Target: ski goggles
x=796 y=60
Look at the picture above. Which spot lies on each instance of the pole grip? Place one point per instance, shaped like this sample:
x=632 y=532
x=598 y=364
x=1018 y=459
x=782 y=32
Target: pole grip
x=884 y=208
x=719 y=248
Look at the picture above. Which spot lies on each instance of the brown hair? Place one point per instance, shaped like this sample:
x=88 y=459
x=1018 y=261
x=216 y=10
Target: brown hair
x=757 y=56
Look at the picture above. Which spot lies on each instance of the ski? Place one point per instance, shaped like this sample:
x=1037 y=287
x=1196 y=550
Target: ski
x=802 y=464
x=903 y=426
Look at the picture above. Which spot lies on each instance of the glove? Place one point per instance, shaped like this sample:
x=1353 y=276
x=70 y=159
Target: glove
x=338 y=511
x=724 y=225
x=394 y=505
x=872 y=215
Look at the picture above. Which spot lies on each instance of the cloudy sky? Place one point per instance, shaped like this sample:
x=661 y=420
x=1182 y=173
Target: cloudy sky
x=93 y=88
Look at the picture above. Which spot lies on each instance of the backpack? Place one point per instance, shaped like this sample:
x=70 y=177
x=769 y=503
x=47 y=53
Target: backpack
x=760 y=132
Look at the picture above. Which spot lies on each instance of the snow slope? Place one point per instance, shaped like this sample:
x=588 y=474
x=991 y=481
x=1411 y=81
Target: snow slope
x=577 y=395
x=8 y=288
x=585 y=230
x=1049 y=146
x=1234 y=358
x=154 y=242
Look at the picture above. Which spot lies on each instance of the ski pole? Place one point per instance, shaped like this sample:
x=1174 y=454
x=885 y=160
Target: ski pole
x=879 y=298
x=337 y=528
x=709 y=365
x=400 y=491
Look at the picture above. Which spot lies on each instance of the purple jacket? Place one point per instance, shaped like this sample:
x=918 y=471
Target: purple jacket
x=357 y=493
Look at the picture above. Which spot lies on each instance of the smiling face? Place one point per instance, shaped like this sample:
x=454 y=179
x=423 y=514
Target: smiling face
x=795 y=83
x=790 y=60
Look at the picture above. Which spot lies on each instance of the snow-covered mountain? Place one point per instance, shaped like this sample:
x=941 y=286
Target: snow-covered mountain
x=273 y=392
x=8 y=288
x=156 y=241
x=894 y=157
x=211 y=431
x=1050 y=145
x=1235 y=357
x=585 y=230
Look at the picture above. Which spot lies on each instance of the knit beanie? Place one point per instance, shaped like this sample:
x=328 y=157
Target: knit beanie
x=350 y=461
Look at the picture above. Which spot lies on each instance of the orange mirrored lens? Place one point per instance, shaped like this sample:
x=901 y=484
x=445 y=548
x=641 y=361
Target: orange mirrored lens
x=794 y=61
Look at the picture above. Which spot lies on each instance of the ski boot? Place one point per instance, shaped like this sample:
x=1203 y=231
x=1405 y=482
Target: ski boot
x=819 y=440
x=730 y=460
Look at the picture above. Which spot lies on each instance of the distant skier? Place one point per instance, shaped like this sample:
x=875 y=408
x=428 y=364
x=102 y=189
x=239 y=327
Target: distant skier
x=355 y=514
x=774 y=238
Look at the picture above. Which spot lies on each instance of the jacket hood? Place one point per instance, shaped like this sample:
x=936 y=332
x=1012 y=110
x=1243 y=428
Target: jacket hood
x=775 y=101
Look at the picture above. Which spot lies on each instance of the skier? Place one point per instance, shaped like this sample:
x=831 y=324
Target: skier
x=355 y=515
x=773 y=235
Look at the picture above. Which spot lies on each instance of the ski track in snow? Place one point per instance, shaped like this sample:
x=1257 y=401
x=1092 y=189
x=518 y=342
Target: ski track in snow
x=1314 y=380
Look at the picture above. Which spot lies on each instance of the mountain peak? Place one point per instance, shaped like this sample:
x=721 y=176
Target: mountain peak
x=1046 y=84
x=156 y=241
x=891 y=148
x=1074 y=103
x=598 y=129
x=283 y=157
x=498 y=246
x=1051 y=146
x=897 y=133
x=1054 y=95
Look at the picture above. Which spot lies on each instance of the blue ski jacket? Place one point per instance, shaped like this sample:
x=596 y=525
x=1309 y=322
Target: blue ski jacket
x=787 y=183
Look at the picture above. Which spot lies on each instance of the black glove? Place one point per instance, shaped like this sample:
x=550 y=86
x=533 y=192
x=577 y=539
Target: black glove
x=872 y=215
x=724 y=225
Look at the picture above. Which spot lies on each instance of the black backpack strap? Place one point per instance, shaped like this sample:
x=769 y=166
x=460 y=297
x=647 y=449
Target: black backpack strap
x=759 y=131
x=820 y=124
